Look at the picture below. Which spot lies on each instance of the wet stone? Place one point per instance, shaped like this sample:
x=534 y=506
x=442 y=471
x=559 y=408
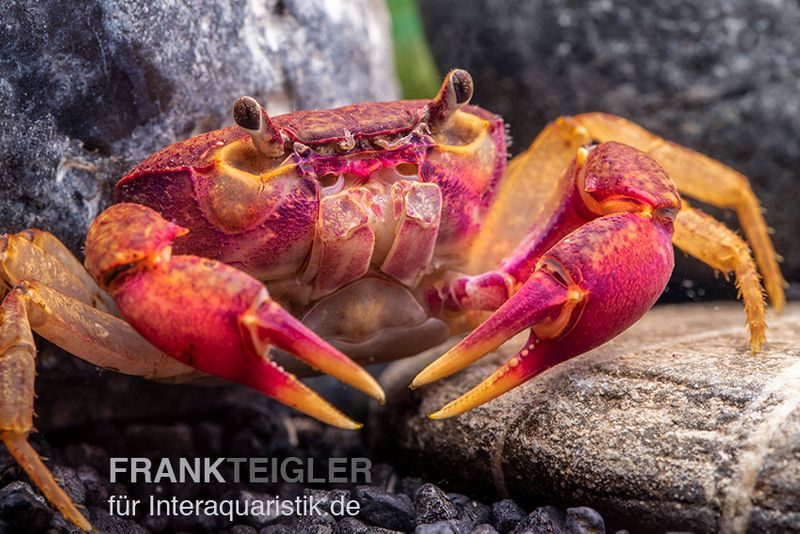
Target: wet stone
x=276 y=529
x=484 y=528
x=475 y=513
x=506 y=514
x=433 y=505
x=383 y=509
x=543 y=520
x=108 y=524
x=451 y=526
x=21 y=508
x=257 y=520
x=71 y=483
x=316 y=524
x=584 y=520
x=351 y=525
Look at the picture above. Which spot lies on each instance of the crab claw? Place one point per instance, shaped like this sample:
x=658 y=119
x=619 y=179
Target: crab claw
x=209 y=315
x=589 y=287
x=251 y=117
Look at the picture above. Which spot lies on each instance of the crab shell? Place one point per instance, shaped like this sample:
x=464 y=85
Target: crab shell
x=363 y=209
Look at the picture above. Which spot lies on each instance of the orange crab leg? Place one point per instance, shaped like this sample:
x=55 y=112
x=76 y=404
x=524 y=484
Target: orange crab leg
x=587 y=288
x=208 y=315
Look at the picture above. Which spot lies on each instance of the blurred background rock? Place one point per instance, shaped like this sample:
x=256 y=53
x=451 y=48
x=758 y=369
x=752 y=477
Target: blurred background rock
x=719 y=76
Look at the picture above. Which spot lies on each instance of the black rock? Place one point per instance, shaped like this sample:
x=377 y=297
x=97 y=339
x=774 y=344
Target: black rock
x=96 y=488
x=410 y=486
x=433 y=505
x=475 y=513
x=506 y=514
x=450 y=526
x=584 y=520
x=22 y=509
x=326 y=498
x=276 y=529
x=254 y=519
x=485 y=528
x=383 y=476
x=543 y=520
x=718 y=76
x=243 y=529
x=316 y=524
x=108 y=524
x=71 y=483
x=351 y=525
x=383 y=509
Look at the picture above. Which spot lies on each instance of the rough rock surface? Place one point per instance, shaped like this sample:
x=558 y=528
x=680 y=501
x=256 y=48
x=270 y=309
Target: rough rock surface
x=719 y=76
x=673 y=424
x=87 y=93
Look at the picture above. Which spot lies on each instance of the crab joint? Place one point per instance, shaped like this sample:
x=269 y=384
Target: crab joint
x=455 y=93
x=251 y=117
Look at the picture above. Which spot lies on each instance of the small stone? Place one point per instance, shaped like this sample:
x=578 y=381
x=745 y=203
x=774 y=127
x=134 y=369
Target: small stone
x=95 y=487
x=258 y=520
x=243 y=529
x=475 y=513
x=22 y=509
x=383 y=509
x=276 y=529
x=432 y=505
x=108 y=524
x=543 y=520
x=506 y=514
x=351 y=525
x=584 y=520
x=69 y=481
x=410 y=486
x=484 y=528
x=450 y=526
x=316 y=524
x=327 y=498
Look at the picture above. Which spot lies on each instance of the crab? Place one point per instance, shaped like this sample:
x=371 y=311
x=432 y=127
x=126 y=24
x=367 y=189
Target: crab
x=365 y=233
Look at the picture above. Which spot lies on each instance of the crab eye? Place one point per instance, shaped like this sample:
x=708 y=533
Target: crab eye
x=247 y=113
x=462 y=85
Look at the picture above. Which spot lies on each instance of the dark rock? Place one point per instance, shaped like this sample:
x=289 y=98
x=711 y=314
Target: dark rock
x=432 y=505
x=316 y=524
x=209 y=438
x=506 y=514
x=450 y=526
x=71 y=483
x=22 y=509
x=276 y=529
x=410 y=486
x=383 y=475
x=383 y=509
x=475 y=513
x=543 y=520
x=667 y=408
x=351 y=525
x=96 y=489
x=108 y=524
x=258 y=520
x=243 y=529
x=584 y=520
x=719 y=77
x=485 y=528
x=326 y=498
x=155 y=523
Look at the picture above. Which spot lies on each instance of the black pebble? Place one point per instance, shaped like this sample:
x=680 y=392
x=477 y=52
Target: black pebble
x=433 y=505
x=382 y=509
x=23 y=510
x=506 y=514
x=543 y=520
x=475 y=513
x=451 y=526
x=584 y=520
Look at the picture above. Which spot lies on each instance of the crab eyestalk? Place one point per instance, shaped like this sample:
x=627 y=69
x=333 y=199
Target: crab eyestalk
x=251 y=117
x=456 y=92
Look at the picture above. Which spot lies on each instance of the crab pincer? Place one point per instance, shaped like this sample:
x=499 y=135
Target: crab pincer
x=209 y=315
x=588 y=287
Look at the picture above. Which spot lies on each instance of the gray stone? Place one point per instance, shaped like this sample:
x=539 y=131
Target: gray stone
x=719 y=76
x=672 y=425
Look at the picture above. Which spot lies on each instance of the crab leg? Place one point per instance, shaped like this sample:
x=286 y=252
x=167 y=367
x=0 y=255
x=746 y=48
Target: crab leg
x=208 y=315
x=704 y=179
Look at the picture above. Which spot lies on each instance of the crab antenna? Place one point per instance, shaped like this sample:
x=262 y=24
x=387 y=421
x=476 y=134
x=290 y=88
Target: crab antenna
x=251 y=117
x=456 y=92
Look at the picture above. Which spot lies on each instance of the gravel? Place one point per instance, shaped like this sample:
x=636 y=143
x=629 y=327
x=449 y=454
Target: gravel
x=392 y=502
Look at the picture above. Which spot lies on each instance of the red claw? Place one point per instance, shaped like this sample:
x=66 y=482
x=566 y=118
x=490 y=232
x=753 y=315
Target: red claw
x=589 y=287
x=209 y=315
